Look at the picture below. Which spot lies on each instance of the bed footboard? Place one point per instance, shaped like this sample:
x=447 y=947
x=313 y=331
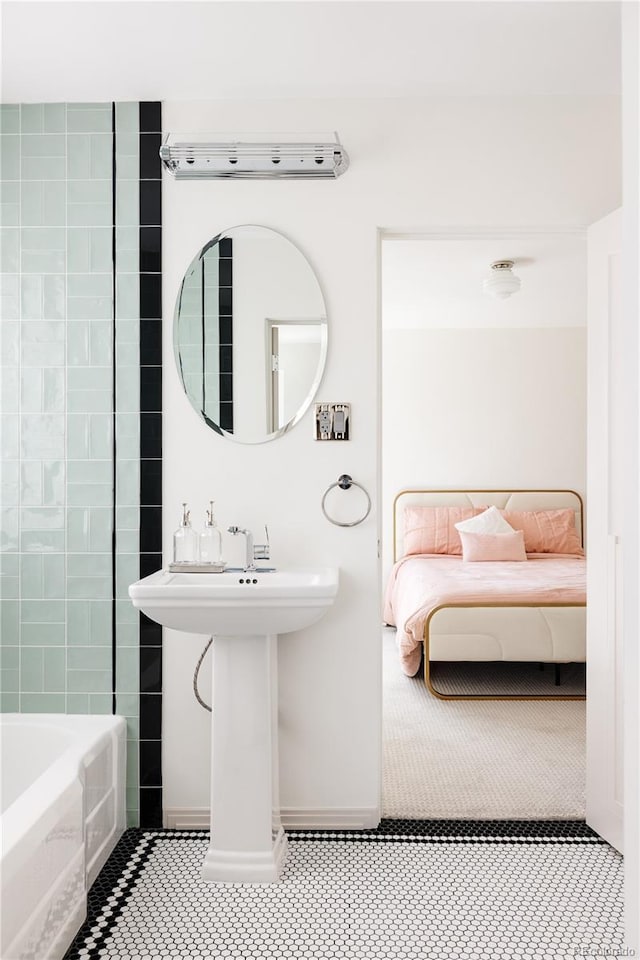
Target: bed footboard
x=519 y=632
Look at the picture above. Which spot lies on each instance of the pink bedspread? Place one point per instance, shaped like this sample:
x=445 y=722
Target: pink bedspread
x=418 y=584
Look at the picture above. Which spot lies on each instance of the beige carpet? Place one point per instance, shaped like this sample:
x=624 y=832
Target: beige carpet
x=478 y=760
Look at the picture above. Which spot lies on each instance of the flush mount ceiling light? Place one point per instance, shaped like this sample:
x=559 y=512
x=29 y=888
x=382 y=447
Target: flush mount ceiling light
x=255 y=157
x=502 y=282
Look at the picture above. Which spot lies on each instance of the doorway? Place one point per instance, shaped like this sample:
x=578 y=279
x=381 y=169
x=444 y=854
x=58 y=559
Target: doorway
x=481 y=394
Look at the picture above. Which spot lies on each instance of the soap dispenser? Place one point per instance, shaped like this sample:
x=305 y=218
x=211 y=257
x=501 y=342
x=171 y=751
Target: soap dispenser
x=185 y=540
x=211 y=539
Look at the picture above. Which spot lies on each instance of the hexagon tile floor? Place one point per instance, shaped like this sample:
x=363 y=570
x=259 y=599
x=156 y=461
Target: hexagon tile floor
x=419 y=889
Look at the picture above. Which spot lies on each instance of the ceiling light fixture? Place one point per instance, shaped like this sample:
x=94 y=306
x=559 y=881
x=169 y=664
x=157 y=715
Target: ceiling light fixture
x=502 y=282
x=255 y=157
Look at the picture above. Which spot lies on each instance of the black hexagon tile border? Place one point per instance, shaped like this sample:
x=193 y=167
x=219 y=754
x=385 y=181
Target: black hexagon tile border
x=460 y=890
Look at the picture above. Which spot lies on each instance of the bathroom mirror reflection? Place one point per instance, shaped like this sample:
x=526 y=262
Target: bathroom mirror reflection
x=250 y=334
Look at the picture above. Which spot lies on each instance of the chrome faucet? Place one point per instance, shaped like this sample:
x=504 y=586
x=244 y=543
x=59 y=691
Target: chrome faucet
x=258 y=552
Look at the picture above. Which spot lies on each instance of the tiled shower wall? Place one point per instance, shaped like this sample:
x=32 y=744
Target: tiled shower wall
x=71 y=411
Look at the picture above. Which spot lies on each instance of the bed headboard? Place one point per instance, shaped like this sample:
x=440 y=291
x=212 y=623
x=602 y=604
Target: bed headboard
x=504 y=499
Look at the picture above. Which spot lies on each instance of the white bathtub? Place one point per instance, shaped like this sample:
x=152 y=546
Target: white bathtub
x=63 y=811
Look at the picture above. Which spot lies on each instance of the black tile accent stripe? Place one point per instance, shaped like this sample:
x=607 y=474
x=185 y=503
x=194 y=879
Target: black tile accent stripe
x=150 y=524
x=150 y=804
x=150 y=295
x=150 y=202
x=149 y=147
x=151 y=432
x=225 y=301
x=149 y=563
x=150 y=763
x=226 y=359
x=150 y=389
x=225 y=333
x=151 y=481
x=151 y=714
x=114 y=451
x=150 y=634
x=150 y=249
x=150 y=672
x=104 y=887
x=151 y=117
x=463 y=831
x=226 y=416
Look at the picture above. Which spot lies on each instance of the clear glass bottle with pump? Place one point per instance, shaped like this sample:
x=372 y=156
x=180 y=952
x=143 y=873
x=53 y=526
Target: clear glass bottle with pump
x=185 y=540
x=211 y=539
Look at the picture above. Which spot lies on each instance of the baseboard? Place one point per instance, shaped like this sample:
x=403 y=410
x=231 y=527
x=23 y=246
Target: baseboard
x=186 y=818
x=293 y=818
x=329 y=818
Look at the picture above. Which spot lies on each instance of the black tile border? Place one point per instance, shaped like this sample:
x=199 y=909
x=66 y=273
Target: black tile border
x=150 y=432
x=151 y=804
x=150 y=296
x=151 y=713
x=114 y=433
x=151 y=117
x=149 y=151
x=151 y=481
x=151 y=752
x=150 y=388
x=150 y=280
x=150 y=522
x=150 y=672
x=150 y=249
x=225 y=333
x=104 y=887
x=116 y=880
x=150 y=632
x=462 y=831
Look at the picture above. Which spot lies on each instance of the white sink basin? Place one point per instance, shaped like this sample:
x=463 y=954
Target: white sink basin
x=237 y=603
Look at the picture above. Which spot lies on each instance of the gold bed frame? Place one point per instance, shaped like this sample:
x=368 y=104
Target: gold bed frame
x=448 y=606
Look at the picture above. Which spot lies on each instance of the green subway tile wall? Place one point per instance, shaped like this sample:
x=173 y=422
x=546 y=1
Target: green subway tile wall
x=70 y=295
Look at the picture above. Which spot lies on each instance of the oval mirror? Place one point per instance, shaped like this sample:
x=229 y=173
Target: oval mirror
x=250 y=334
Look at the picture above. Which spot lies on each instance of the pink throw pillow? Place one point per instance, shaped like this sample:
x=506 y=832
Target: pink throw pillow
x=546 y=531
x=480 y=547
x=432 y=529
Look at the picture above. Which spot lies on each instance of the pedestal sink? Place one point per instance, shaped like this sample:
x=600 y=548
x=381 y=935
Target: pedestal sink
x=244 y=611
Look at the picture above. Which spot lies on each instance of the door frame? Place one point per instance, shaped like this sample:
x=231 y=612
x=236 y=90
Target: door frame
x=631 y=246
x=630 y=35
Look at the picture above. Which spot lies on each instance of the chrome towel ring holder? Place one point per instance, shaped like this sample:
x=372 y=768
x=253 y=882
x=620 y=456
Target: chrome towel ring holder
x=345 y=482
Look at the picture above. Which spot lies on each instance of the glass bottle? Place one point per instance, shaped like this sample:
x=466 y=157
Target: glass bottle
x=211 y=539
x=185 y=540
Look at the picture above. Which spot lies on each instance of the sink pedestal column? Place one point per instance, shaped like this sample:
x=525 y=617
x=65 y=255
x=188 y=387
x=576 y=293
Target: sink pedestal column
x=247 y=841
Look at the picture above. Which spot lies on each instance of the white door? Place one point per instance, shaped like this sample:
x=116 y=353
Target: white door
x=607 y=497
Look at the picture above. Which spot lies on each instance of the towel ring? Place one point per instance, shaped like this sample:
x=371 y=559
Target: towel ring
x=344 y=482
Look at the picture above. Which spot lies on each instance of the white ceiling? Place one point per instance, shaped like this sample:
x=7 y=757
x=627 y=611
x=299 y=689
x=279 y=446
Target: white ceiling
x=438 y=283
x=230 y=49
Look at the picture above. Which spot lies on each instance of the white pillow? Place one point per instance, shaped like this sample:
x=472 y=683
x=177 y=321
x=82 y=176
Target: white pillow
x=491 y=521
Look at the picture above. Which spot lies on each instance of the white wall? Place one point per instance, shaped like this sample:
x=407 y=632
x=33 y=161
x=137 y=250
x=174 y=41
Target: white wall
x=488 y=408
x=414 y=164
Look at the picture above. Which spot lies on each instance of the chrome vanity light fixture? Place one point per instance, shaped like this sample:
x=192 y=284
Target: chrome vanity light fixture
x=253 y=156
x=502 y=282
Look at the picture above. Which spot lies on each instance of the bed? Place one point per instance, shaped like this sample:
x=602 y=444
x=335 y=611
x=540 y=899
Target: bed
x=448 y=610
